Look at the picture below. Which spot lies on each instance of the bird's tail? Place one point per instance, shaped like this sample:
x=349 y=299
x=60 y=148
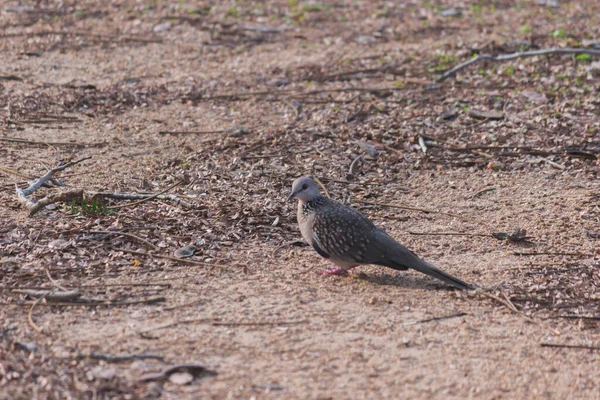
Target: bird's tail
x=389 y=253
x=428 y=269
x=399 y=257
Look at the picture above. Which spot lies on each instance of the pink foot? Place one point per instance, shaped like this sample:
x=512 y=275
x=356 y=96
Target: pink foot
x=337 y=271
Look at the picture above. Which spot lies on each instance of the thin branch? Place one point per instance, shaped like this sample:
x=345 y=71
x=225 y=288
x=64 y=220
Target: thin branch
x=455 y=315
x=584 y=317
x=38 y=143
x=117 y=358
x=50 y=295
x=223 y=323
x=151 y=300
x=193 y=369
x=570 y=346
x=550 y=253
x=353 y=165
x=181 y=260
x=191 y=132
x=139 y=196
x=449 y=234
x=506 y=302
x=34 y=207
x=35 y=185
x=30 y=317
x=512 y=56
x=68 y=196
x=129 y=235
x=147 y=198
x=322 y=186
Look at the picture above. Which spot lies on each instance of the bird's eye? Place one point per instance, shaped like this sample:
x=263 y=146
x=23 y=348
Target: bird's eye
x=305 y=186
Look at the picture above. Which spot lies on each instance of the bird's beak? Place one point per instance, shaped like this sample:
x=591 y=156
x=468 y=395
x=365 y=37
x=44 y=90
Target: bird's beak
x=292 y=196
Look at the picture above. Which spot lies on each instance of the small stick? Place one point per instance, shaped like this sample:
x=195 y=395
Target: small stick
x=506 y=302
x=30 y=318
x=482 y=191
x=570 y=346
x=322 y=186
x=190 y=132
x=356 y=160
x=455 y=315
x=575 y=317
x=512 y=56
x=147 y=198
x=151 y=300
x=181 y=260
x=220 y=323
x=69 y=195
x=449 y=234
x=549 y=253
x=194 y=369
x=54 y=282
x=50 y=295
x=122 y=357
x=36 y=239
x=129 y=235
x=24 y=141
x=46 y=177
x=552 y=163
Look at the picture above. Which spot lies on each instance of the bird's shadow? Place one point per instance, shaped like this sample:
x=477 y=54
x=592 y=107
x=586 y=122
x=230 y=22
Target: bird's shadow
x=403 y=281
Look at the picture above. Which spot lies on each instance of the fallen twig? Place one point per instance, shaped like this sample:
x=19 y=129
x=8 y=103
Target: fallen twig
x=30 y=316
x=50 y=295
x=147 y=198
x=191 y=132
x=129 y=235
x=35 y=185
x=90 y=303
x=322 y=186
x=67 y=196
x=449 y=234
x=506 y=302
x=585 y=317
x=140 y=196
x=570 y=346
x=33 y=142
x=116 y=358
x=550 y=253
x=482 y=191
x=354 y=162
x=455 y=315
x=194 y=369
x=512 y=56
x=182 y=260
x=213 y=322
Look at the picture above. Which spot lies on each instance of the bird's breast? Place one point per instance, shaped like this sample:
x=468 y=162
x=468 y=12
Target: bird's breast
x=305 y=222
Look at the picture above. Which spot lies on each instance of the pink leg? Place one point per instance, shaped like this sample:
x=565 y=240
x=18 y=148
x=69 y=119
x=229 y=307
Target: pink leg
x=337 y=271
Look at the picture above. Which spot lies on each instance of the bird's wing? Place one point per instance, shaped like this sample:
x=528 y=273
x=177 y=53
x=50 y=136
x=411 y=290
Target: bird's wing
x=342 y=233
x=316 y=244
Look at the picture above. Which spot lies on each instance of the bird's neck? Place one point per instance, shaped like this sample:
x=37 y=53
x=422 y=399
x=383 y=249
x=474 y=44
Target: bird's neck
x=309 y=206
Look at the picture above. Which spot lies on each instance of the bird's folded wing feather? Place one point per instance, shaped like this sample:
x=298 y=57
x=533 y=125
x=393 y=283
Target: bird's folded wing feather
x=343 y=233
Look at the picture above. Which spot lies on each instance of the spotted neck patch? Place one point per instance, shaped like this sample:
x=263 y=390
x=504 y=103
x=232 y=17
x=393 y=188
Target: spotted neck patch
x=311 y=205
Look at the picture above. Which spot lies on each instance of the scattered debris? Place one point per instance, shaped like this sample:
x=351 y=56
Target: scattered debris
x=186 y=251
x=367 y=148
x=520 y=235
x=487 y=115
x=197 y=371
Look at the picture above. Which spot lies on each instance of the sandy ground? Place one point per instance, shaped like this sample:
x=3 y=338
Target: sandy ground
x=305 y=81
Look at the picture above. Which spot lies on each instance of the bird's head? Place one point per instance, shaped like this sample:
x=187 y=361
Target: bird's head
x=304 y=189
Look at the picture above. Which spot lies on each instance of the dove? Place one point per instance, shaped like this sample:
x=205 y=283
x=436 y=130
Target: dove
x=347 y=238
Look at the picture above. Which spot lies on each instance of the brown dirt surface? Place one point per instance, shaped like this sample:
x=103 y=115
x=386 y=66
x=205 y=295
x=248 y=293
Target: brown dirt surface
x=265 y=92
